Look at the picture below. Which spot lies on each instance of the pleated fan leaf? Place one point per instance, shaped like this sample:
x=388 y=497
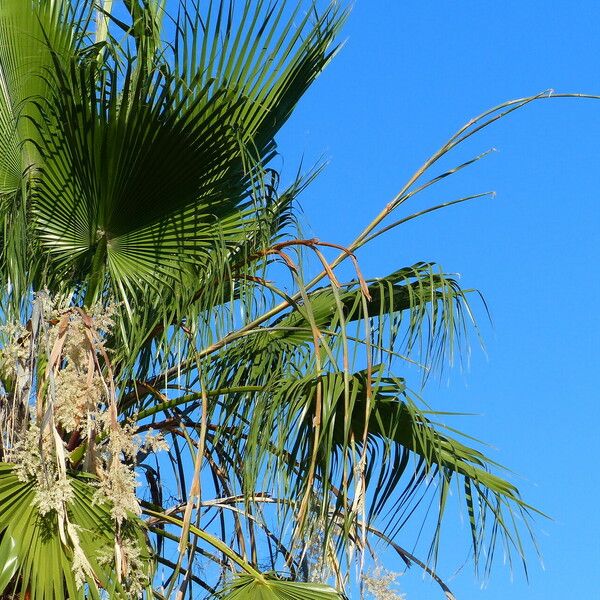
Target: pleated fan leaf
x=247 y=587
x=150 y=168
x=34 y=558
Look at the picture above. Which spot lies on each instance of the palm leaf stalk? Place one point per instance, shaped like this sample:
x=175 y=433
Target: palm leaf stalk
x=147 y=253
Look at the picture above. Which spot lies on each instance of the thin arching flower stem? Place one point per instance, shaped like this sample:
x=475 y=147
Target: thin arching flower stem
x=466 y=131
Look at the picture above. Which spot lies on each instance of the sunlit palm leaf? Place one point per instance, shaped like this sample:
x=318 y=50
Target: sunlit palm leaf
x=246 y=587
x=32 y=555
x=421 y=303
x=169 y=167
x=24 y=62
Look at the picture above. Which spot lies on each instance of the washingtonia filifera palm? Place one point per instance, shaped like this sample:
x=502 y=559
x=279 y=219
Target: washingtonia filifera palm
x=144 y=233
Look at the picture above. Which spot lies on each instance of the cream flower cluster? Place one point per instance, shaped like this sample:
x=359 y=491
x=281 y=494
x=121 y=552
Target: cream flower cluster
x=57 y=368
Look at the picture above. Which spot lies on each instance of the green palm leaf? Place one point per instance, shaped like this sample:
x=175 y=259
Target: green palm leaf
x=162 y=180
x=405 y=448
x=34 y=557
x=421 y=303
x=246 y=587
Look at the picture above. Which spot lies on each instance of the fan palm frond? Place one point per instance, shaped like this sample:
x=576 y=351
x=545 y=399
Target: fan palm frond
x=44 y=557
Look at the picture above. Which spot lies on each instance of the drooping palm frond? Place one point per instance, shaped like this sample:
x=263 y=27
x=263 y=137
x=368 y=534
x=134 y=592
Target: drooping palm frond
x=267 y=393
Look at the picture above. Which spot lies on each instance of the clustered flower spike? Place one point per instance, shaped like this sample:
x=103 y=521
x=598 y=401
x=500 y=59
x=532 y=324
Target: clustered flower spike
x=58 y=415
x=379 y=584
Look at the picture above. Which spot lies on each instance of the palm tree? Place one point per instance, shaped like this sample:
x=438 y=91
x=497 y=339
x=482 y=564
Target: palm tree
x=154 y=297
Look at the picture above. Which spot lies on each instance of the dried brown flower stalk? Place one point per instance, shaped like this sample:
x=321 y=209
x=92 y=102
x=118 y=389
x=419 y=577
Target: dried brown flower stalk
x=58 y=415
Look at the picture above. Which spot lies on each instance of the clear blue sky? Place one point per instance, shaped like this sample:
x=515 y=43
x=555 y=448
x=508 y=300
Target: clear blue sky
x=412 y=72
